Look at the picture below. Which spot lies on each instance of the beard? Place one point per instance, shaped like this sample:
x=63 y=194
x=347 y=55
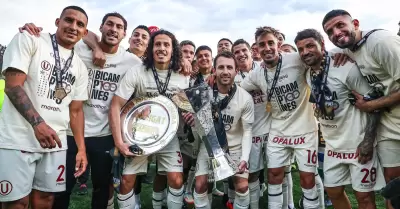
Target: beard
x=350 y=43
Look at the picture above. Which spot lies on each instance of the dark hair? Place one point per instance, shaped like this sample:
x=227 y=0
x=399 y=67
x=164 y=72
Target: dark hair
x=283 y=35
x=294 y=48
x=334 y=13
x=203 y=47
x=187 y=42
x=75 y=8
x=226 y=54
x=254 y=44
x=148 y=62
x=115 y=14
x=309 y=33
x=240 y=41
x=225 y=39
x=142 y=27
x=266 y=30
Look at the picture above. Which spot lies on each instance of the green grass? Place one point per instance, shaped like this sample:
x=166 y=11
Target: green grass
x=83 y=202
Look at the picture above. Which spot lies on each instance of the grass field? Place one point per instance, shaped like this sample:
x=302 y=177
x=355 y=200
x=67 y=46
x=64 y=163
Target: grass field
x=83 y=202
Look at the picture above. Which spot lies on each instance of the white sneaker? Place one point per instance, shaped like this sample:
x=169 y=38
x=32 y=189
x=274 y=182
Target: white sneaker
x=188 y=197
x=263 y=189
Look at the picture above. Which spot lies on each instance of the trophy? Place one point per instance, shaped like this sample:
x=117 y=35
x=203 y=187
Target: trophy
x=197 y=100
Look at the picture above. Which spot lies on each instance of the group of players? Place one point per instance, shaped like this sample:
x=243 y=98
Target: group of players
x=64 y=98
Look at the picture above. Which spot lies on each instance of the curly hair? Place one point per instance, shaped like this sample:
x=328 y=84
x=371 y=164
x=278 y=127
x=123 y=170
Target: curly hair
x=176 y=56
x=266 y=30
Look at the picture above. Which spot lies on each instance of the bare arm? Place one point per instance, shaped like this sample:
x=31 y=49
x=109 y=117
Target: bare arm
x=92 y=40
x=114 y=118
x=77 y=126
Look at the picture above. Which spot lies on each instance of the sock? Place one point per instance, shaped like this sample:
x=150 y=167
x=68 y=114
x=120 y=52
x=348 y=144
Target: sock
x=137 y=199
x=289 y=187
x=210 y=198
x=242 y=200
x=320 y=189
x=231 y=195
x=275 y=197
x=226 y=186
x=175 y=198
x=157 y=199
x=254 y=188
x=310 y=200
x=165 y=197
x=110 y=204
x=201 y=201
x=190 y=180
x=126 y=201
x=285 y=191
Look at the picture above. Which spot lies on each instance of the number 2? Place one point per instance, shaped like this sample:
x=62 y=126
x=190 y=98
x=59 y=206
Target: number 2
x=371 y=174
x=60 y=178
x=312 y=158
x=180 y=157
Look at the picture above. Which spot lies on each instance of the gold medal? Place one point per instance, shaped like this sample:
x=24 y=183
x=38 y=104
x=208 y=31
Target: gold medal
x=268 y=107
x=60 y=93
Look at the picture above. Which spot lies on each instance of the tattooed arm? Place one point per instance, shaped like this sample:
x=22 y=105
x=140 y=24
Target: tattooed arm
x=15 y=79
x=365 y=149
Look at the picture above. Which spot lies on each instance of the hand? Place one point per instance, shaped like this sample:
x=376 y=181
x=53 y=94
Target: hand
x=99 y=58
x=211 y=80
x=80 y=163
x=340 y=59
x=31 y=29
x=46 y=136
x=365 y=152
x=188 y=118
x=186 y=67
x=242 y=167
x=361 y=103
x=124 y=150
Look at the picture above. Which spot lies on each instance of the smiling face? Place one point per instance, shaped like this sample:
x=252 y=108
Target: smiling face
x=113 y=31
x=268 y=47
x=242 y=55
x=162 y=49
x=341 y=31
x=188 y=52
x=71 y=27
x=224 y=45
x=225 y=70
x=204 y=59
x=310 y=51
x=139 y=40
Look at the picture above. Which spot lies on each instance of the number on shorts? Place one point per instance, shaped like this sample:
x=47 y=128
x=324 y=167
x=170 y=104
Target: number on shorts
x=60 y=178
x=312 y=158
x=180 y=157
x=371 y=174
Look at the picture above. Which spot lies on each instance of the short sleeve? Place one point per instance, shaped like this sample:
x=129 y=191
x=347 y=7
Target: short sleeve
x=19 y=52
x=250 y=82
x=81 y=90
x=248 y=109
x=129 y=83
x=356 y=81
x=387 y=54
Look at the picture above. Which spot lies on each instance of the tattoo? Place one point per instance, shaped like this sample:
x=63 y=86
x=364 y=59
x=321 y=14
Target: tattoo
x=23 y=104
x=373 y=119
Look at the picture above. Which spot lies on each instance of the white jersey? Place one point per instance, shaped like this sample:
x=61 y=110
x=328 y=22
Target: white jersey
x=103 y=83
x=291 y=112
x=140 y=82
x=379 y=62
x=346 y=129
x=35 y=57
x=262 y=120
x=238 y=112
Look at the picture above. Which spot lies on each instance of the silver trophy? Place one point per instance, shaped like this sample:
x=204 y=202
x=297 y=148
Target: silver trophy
x=197 y=100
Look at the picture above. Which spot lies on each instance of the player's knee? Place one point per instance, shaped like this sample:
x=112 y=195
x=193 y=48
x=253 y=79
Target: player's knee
x=242 y=188
x=128 y=181
x=275 y=175
x=18 y=204
x=253 y=177
x=201 y=184
x=335 y=193
x=391 y=173
x=175 y=180
x=364 y=197
x=307 y=180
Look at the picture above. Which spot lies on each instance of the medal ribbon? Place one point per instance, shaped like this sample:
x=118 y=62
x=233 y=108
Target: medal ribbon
x=276 y=77
x=162 y=87
x=57 y=66
x=363 y=40
x=318 y=85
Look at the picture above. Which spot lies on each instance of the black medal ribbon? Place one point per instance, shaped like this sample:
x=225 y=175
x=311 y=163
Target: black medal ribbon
x=216 y=108
x=57 y=64
x=162 y=87
x=363 y=40
x=199 y=79
x=276 y=77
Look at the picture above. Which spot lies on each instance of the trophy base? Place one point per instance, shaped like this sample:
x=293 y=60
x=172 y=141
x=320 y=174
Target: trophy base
x=223 y=167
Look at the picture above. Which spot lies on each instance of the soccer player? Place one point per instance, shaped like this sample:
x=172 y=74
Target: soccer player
x=224 y=44
x=261 y=125
x=188 y=48
x=350 y=156
x=160 y=66
x=139 y=41
x=377 y=53
x=45 y=87
x=288 y=48
x=254 y=54
x=237 y=110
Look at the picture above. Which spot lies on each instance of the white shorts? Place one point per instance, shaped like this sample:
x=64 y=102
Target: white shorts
x=202 y=164
x=343 y=169
x=169 y=159
x=256 y=159
x=23 y=171
x=190 y=149
x=388 y=152
x=280 y=150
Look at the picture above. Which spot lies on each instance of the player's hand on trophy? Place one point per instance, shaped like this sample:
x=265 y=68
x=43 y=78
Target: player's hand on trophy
x=124 y=150
x=31 y=29
x=186 y=67
x=99 y=58
x=80 y=163
x=46 y=136
x=242 y=167
x=188 y=118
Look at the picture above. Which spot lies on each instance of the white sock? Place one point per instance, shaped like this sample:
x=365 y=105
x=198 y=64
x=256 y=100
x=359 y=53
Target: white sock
x=201 y=201
x=190 y=180
x=226 y=186
x=175 y=198
x=165 y=197
x=231 y=195
x=275 y=197
x=157 y=199
x=242 y=200
x=254 y=188
x=320 y=189
x=210 y=198
x=110 y=204
x=310 y=200
x=285 y=191
x=126 y=201
x=137 y=199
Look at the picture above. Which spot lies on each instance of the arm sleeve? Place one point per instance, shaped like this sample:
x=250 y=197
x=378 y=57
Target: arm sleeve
x=19 y=52
x=247 y=121
x=129 y=83
x=251 y=81
x=387 y=54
